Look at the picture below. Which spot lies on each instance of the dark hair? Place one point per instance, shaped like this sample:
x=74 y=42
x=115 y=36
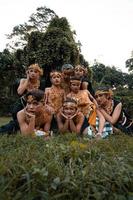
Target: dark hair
x=75 y=78
x=37 y=94
x=103 y=88
x=67 y=67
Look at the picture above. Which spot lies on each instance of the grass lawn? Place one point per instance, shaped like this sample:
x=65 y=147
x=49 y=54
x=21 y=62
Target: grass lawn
x=4 y=120
x=66 y=168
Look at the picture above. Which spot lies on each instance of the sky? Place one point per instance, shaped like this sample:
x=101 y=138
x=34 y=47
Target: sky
x=104 y=27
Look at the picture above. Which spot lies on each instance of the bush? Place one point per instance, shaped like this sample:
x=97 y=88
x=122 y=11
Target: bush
x=65 y=168
x=126 y=97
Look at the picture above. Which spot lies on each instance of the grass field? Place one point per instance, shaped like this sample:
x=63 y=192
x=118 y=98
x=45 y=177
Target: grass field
x=65 y=167
x=4 y=120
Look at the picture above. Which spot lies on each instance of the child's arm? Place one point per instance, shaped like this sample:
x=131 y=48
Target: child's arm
x=22 y=86
x=101 y=122
x=76 y=128
x=49 y=108
x=115 y=115
x=93 y=99
x=48 y=123
x=46 y=94
x=62 y=126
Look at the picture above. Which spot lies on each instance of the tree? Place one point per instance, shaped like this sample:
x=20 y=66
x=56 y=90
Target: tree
x=52 y=48
x=129 y=64
x=37 y=22
x=7 y=77
x=105 y=75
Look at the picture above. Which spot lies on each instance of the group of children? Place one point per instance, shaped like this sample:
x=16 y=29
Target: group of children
x=69 y=105
x=66 y=106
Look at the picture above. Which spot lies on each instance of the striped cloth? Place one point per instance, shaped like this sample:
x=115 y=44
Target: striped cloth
x=108 y=129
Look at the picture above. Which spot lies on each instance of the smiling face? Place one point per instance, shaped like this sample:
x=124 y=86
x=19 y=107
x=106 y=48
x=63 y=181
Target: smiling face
x=69 y=109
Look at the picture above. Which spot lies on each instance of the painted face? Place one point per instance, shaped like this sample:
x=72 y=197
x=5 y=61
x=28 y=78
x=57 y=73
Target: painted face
x=33 y=106
x=56 y=79
x=79 y=72
x=33 y=73
x=101 y=99
x=75 y=85
x=69 y=109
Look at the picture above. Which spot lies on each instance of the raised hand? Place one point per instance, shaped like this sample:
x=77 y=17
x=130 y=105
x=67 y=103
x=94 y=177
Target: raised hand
x=29 y=114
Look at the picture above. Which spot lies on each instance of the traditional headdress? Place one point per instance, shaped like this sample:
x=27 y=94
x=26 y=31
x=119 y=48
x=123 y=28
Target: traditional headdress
x=74 y=79
x=53 y=73
x=36 y=67
x=71 y=102
x=104 y=90
x=37 y=95
x=80 y=67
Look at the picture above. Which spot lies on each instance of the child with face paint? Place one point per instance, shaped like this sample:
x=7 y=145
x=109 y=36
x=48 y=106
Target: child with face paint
x=70 y=119
x=34 y=117
x=54 y=96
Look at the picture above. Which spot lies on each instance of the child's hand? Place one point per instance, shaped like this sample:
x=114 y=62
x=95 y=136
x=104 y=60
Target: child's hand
x=49 y=109
x=27 y=74
x=74 y=115
x=30 y=115
x=66 y=117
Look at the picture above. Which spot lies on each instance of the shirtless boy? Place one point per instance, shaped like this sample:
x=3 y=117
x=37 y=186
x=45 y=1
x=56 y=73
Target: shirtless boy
x=34 y=117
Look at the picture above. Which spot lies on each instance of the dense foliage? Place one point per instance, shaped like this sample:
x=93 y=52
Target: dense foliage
x=66 y=167
x=105 y=75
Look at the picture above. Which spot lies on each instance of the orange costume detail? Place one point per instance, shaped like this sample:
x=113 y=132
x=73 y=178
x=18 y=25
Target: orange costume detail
x=85 y=105
x=54 y=97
